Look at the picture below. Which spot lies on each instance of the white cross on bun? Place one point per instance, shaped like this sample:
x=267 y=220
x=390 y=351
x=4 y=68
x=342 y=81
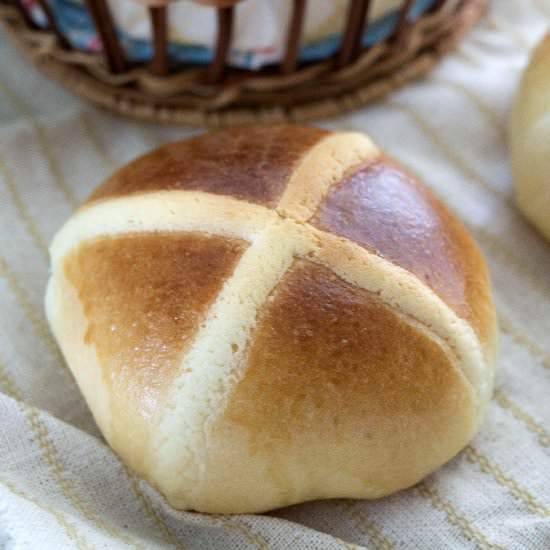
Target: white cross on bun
x=264 y=316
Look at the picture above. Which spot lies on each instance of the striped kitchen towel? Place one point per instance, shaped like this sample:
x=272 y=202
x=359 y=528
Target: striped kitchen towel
x=62 y=488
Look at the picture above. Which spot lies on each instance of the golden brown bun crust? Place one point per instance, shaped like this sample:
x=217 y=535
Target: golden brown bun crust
x=380 y=206
x=383 y=208
x=251 y=164
x=265 y=316
x=335 y=376
x=144 y=297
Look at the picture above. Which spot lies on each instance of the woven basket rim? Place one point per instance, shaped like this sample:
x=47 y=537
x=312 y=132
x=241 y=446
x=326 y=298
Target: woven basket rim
x=124 y=101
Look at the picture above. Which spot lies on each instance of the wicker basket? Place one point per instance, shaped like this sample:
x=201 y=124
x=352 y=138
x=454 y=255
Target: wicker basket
x=217 y=95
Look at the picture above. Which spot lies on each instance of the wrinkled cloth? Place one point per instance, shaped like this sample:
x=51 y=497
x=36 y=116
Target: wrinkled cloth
x=61 y=487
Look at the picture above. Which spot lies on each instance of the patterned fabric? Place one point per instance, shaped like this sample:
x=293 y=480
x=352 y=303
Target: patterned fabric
x=61 y=487
x=75 y=22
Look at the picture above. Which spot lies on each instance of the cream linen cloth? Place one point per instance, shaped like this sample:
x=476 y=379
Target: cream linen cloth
x=60 y=485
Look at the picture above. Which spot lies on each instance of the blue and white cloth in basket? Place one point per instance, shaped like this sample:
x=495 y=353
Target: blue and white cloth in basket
x=259 y=29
